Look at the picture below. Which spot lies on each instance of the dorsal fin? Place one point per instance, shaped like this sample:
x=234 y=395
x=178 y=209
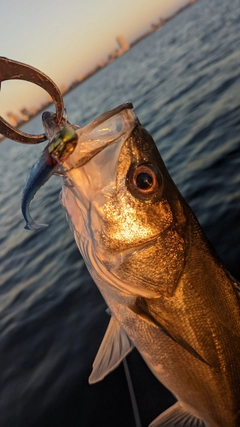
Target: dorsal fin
x=176 y=416
x=114 y=347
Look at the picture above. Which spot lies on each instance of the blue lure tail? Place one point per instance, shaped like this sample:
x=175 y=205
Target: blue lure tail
x=40 y=173
x=35 y=226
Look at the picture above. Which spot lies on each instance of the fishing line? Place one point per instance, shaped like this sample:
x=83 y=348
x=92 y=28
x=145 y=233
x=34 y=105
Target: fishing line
x=132 y=395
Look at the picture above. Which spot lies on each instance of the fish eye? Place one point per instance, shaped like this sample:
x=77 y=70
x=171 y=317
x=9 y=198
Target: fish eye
x=144 y=181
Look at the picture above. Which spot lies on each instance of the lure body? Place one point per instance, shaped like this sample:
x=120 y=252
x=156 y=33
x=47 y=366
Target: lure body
x=55 y=153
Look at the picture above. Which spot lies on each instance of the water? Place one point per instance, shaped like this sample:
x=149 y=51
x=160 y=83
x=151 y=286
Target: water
x=184 y=83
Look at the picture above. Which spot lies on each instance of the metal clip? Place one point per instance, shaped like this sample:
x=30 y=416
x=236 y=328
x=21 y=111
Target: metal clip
x=10 y=69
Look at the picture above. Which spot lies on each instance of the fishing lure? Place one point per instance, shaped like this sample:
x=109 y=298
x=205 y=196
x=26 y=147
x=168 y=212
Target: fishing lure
x=60 y=147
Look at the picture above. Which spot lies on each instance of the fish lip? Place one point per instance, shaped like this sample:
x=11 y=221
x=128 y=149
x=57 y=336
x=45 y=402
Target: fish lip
x=89 y=146
x=111 y=113
x=49 y=119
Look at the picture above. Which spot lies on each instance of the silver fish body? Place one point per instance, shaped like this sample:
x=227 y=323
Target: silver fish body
x=168 y=292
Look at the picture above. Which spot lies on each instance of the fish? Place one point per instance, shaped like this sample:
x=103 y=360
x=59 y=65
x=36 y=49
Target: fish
x=63 y=140
x=168 y=292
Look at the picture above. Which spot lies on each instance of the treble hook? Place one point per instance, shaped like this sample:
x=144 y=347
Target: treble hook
x=10 y=69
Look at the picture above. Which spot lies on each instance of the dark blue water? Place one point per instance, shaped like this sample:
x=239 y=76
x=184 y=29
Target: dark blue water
x=184 y=82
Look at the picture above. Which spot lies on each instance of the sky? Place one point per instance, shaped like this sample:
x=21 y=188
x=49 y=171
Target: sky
x=67 y=38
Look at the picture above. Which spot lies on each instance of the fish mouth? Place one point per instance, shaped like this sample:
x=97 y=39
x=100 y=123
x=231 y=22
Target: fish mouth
x=108 y=128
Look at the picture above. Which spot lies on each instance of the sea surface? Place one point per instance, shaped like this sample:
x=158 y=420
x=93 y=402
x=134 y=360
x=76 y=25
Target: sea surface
x=184 y=82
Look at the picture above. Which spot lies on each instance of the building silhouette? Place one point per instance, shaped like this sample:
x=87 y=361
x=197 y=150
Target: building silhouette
x=123 y=44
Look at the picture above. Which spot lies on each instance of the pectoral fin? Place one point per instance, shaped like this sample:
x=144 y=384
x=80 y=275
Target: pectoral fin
x=141 y=309
x=176 y=416
x=114 y=347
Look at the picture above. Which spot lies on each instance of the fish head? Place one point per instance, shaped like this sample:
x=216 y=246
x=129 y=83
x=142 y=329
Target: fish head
x=126 y=213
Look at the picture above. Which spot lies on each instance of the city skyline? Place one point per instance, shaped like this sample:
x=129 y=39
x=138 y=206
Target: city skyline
x=64 y=46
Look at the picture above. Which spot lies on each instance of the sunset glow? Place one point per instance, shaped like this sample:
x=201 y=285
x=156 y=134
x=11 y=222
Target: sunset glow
x=67 y=39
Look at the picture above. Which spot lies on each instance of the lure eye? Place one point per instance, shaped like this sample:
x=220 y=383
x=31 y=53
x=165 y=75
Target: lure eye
x=144 y=181
x=70 y=147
